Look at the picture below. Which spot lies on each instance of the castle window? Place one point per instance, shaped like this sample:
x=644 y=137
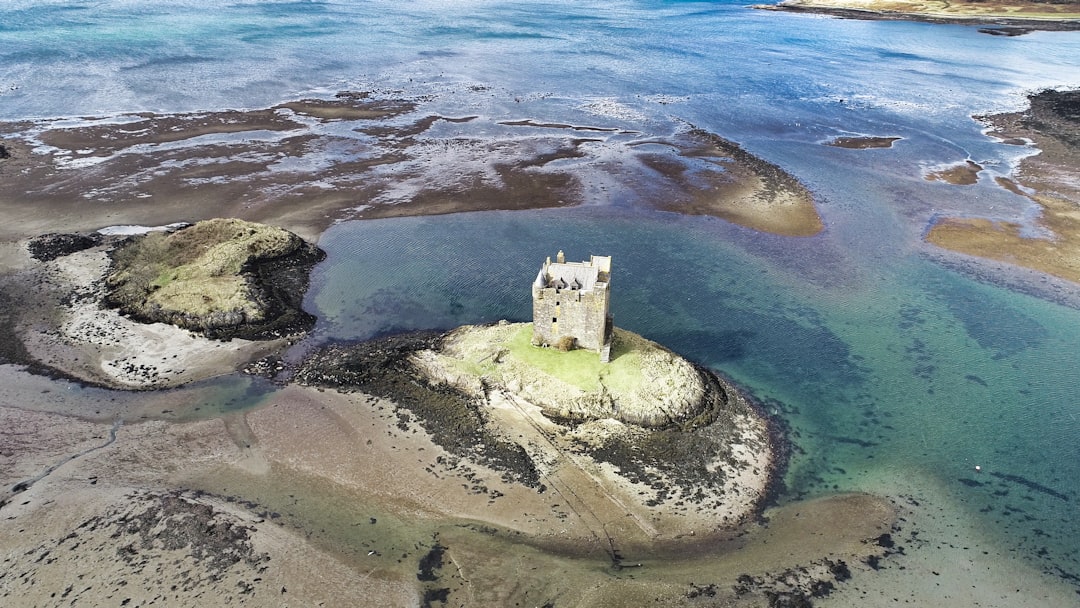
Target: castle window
x=554 y=319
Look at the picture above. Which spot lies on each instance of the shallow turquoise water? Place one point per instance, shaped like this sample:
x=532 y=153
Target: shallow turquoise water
x=881 y=360
x=909 y=367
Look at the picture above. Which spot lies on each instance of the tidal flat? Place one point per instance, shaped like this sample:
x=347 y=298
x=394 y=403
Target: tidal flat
x=437 y=157
x=454 y=496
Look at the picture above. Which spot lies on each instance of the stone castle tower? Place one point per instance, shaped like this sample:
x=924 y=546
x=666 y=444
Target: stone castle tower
x=571 y=302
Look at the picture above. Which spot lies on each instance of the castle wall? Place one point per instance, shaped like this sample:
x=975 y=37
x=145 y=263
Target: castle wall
x=582 y=315
x=578 y=313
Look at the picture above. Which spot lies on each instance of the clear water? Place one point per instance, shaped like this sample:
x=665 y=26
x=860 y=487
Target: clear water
x=884 y=362
x=915 y=368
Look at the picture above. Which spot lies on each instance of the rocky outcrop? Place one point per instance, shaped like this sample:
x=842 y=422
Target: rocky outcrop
x=48 y=247
x=645 y=384
x=224 y=278
x=663 y=434
x=385 y=367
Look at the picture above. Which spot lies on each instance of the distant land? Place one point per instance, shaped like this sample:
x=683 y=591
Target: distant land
x=1018 y=16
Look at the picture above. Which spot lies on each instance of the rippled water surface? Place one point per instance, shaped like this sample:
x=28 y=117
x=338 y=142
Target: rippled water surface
x=910 y=367
x=887 y=363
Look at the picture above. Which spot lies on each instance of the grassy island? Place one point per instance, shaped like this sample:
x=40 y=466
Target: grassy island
x=644 y=383
x=208 y=277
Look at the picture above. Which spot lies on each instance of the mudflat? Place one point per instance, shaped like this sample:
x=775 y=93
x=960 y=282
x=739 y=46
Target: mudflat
x=306 y=164
x=318 y=496
x=1046 y=178
x=314 y=495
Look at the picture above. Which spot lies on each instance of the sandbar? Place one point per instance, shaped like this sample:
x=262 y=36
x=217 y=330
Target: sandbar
x=303 y=165
x=862 y=143
x=1047 y=179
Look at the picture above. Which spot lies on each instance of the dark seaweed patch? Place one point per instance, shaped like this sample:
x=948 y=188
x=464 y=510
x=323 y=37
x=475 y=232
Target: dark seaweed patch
x=975 y=379
x=982 y=317
x=853 y=441
x=431 y=562
x=1038 y=487
x=455 y=421
x=48 y=247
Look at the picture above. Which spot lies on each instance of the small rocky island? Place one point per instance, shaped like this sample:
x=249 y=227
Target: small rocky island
x=225 y=278
x=649 y=444
x=142 y=308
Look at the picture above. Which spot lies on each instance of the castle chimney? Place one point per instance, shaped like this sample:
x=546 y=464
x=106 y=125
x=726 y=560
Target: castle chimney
x=560 y=258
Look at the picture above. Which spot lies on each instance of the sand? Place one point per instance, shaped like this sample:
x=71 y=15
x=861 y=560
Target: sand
x=944 y=560
x=104 y=528
x=325 y=497
x=1047 y=179
x=960 y=174
x=725 y=181
x=80 y=338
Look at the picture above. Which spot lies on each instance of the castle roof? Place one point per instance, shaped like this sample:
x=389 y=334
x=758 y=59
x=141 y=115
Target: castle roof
x=583 y=276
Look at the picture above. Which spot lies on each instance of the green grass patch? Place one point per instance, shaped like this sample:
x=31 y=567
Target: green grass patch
x=581 y=368
x=196 y=270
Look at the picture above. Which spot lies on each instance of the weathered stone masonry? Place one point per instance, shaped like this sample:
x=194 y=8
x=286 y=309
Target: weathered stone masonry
x=572 y=301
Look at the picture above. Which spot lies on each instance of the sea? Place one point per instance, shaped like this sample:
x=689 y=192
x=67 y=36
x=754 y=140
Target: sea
x=950 y=387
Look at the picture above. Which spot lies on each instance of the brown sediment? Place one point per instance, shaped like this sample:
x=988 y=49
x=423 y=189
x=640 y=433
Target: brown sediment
x=1048 y=179
x=150 y=129
x=718 y=177
x=1020 y=15
x=863 y=143
x=348 y=109
x=317 y=495
x=963 y=174
x=521 y=184
x=274 y=166
x=559 y=125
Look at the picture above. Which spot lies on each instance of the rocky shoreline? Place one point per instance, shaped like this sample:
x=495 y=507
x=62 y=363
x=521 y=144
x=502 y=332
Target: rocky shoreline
x=382 y=367
x=77 y=336
x=681 y=465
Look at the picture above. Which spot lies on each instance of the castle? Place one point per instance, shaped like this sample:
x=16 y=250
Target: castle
x=571 y=301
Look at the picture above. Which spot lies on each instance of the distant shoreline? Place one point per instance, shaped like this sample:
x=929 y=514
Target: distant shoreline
x=877 y=11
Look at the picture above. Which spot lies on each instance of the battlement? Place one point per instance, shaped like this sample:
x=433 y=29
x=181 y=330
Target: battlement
x=571 y=302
